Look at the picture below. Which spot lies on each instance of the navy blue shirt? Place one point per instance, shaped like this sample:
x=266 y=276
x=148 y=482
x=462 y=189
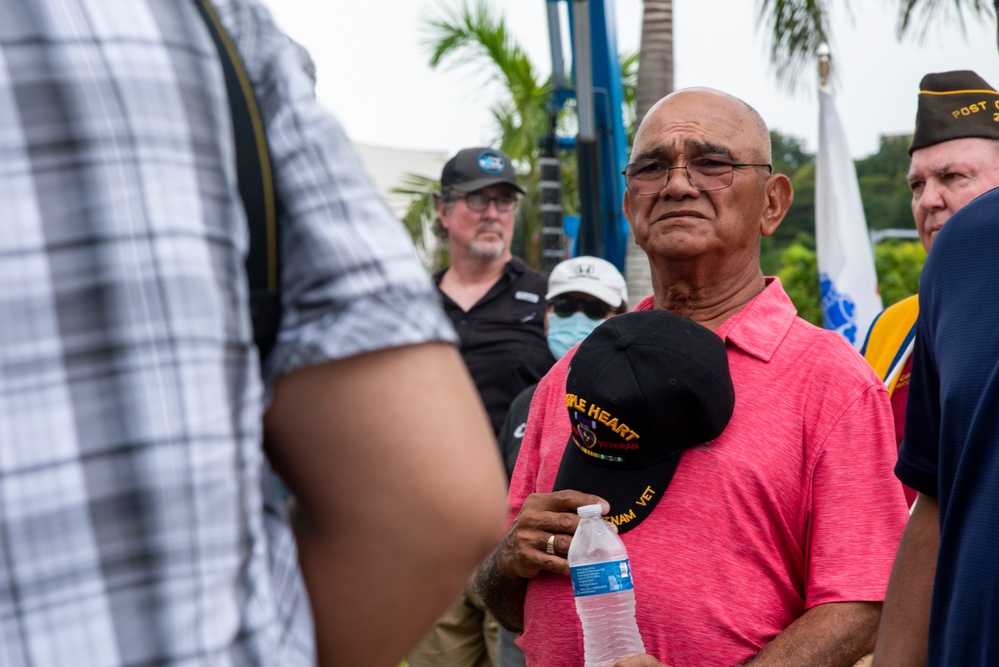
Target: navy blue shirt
x=951 y=445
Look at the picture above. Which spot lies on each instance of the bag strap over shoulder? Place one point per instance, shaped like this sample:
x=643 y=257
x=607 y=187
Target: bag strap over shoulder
x=256 y=187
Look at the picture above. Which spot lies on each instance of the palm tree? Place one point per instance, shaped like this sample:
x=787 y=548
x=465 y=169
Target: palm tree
x=419 y=218
x=655 y=80
x=796 y=28
x=474 y=37
x=655 y=57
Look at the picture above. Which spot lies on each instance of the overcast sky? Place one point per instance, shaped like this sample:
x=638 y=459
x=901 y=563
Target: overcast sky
x=373 y=73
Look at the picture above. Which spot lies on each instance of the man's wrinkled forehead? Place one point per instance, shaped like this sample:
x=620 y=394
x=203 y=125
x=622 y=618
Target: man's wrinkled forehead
x=975 y=156
x=690 y=148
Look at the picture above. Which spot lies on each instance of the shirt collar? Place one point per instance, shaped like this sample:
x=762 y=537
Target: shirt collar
x=515 y=267
x=760 y=326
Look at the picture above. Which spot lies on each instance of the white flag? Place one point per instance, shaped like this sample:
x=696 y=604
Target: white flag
x=847 y=280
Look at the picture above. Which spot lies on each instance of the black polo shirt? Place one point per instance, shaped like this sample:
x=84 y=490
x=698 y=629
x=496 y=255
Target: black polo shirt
x=503 y=336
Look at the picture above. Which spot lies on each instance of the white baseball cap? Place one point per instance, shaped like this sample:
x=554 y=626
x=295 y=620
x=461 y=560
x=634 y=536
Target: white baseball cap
x=589 y=275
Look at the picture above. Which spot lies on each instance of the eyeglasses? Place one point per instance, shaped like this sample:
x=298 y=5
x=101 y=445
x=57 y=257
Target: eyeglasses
x=649 y=177
x=479 y=202
x=564 y=306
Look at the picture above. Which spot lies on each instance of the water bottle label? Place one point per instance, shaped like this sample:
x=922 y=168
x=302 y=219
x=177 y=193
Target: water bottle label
x=601 y=578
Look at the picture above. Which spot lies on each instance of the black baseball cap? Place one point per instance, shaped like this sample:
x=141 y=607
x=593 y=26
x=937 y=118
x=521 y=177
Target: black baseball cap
x=472 y=169
x=641 y=389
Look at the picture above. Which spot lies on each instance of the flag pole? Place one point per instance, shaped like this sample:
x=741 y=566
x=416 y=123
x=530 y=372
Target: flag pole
x=848 y=283
x=823 y=53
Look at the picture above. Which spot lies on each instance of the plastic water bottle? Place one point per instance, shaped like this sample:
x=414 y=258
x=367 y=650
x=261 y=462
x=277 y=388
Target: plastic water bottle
x=605 y=595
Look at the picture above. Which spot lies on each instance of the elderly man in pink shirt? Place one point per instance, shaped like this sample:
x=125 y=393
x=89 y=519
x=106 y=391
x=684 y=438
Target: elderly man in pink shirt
x=753 y=550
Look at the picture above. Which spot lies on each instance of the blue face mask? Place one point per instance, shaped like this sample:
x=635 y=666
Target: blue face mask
x=565 y=332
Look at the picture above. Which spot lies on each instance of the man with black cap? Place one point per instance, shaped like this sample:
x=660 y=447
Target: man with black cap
x=496 y=302
x=955 y=158
x=497 y=305
x=943 y=597
x=742 y=453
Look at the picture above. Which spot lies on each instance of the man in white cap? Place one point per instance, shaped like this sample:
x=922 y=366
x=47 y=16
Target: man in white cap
x=496 y=304
x=582 y=293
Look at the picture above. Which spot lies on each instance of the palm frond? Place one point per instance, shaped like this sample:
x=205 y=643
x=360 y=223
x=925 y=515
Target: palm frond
x=474 y=37
x=919 y=15
x=629 y=86
x=419 y=218
x=794 y=29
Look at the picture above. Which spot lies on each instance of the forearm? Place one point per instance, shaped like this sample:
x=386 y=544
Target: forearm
x=501 y=581
x=904 y=632
x=371 y=605
x=836 y=634
x=391 y=518
x=502 y=595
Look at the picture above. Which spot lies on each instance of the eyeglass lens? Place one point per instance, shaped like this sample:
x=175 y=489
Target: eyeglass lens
x=704 y=173
x=480 y=202
x=564 y=306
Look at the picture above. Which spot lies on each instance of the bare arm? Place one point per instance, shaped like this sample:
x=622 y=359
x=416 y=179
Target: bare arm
x=399 y=490
x=501 y=581
x=503 y=596
x=836 y=634
x=904 y=632
x=832 y=634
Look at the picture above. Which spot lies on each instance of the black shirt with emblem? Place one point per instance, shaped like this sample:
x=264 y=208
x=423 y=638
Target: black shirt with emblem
x=511 y=433
x=502 y=336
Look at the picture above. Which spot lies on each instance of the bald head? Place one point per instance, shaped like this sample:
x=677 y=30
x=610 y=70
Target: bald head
x=749 y=127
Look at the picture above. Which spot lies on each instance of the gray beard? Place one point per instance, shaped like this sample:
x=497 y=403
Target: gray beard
x=487 y=250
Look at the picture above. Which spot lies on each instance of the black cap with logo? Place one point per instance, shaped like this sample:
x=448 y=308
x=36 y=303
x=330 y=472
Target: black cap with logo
x=642 y=388
x=473 y=169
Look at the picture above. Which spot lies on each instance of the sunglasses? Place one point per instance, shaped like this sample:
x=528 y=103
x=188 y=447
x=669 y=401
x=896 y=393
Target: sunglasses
x=564 y=306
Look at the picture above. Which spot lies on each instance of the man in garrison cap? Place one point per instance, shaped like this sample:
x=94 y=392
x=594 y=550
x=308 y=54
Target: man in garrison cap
x=955 y=158
x=943 y=596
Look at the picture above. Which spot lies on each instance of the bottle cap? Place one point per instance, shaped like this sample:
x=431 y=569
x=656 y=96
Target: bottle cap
x=590 y=510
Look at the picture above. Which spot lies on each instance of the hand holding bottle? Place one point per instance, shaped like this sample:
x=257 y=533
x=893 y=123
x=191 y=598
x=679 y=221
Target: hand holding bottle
x=539 y=539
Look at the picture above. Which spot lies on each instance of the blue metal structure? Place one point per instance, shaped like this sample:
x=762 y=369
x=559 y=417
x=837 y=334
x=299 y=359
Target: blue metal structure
x=601 y=144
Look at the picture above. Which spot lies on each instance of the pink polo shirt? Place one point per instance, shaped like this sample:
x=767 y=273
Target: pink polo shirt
x=793 y=506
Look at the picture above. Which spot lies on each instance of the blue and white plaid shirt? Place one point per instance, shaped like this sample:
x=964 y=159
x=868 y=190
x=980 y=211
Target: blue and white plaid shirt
x=132 y=525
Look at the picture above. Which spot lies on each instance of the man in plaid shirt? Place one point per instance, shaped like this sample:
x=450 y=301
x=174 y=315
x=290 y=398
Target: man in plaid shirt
x=132 y=525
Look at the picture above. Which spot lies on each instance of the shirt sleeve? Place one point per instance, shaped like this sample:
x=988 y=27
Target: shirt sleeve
x=918 y=457
x=857 y=508
x=511 y=433
x=525 y=474
x=351 y=281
